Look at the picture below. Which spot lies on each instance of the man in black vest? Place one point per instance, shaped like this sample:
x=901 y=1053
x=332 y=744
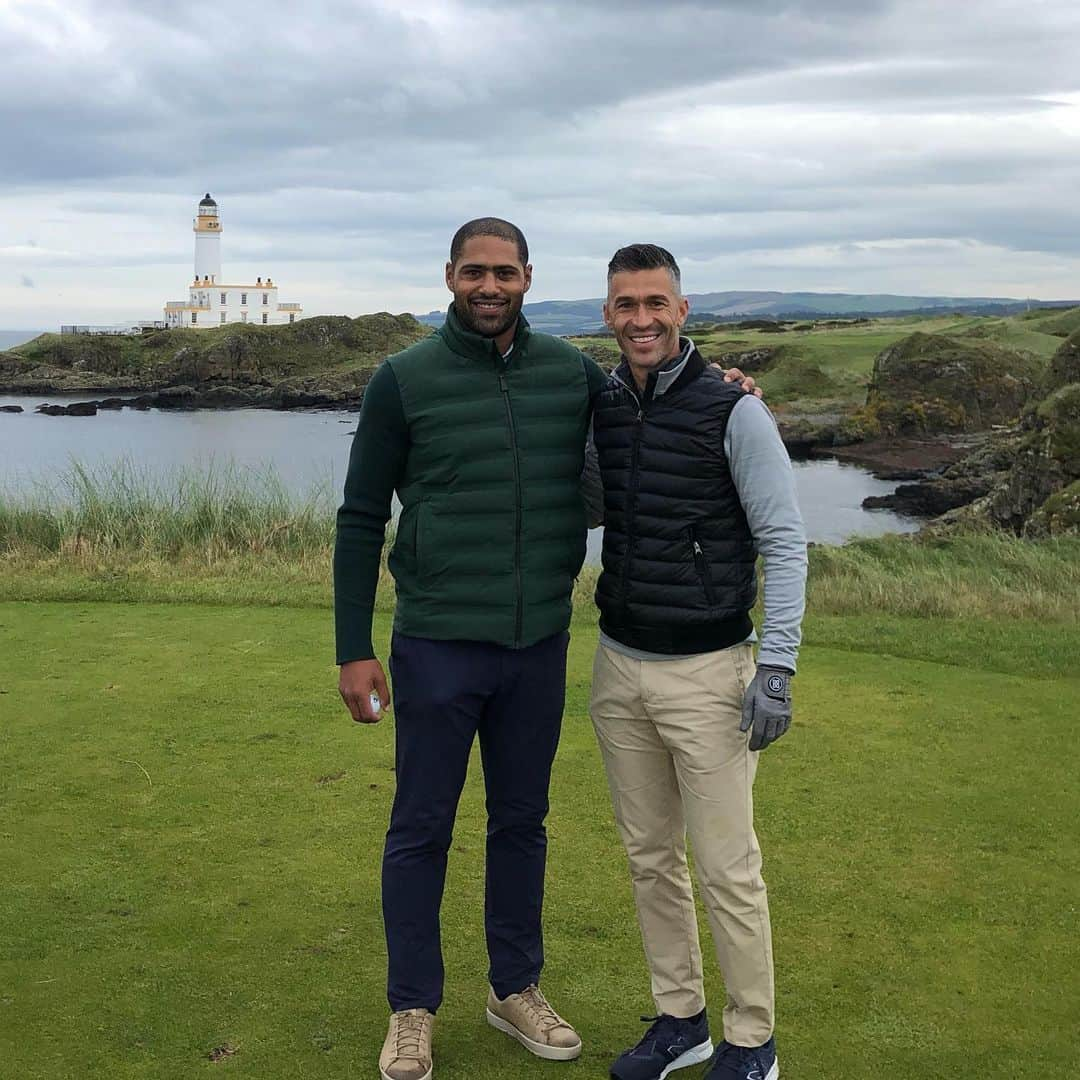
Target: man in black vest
x=697 y=484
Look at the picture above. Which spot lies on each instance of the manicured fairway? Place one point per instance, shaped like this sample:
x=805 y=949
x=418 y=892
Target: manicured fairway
x=190 y=830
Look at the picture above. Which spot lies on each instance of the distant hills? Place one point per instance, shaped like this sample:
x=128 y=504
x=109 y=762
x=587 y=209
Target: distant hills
x=583 y=316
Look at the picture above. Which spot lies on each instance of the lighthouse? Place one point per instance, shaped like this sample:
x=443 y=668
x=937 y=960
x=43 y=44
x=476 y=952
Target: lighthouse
x=212 y=302
x=208 y=242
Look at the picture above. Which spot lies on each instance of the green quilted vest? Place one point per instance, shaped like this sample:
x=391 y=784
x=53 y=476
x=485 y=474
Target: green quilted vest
x=492 y=528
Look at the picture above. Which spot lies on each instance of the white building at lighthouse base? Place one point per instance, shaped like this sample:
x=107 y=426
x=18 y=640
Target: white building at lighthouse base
x=209 y=304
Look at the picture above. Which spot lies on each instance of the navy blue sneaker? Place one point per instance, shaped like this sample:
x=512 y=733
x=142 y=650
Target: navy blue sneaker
x=744 y=1062
x=669 y=1044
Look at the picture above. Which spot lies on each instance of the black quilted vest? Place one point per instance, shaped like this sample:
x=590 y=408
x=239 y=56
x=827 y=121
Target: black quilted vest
x=678 y=560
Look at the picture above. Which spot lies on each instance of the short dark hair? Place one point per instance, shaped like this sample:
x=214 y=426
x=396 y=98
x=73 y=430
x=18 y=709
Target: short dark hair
x=645 y=257
x=489 y=226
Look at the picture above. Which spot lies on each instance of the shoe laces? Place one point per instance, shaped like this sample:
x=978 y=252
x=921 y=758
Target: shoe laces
x=547 y=1018
x=409 y=1033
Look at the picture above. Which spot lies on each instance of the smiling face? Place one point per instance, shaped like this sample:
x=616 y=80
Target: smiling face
x=646 y=312
x=489 y=284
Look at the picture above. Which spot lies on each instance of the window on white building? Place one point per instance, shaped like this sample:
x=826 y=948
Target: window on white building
x=243 y=316
x=266 y=298
x=194 y=317
x=266 y=318
x=292 y=318
x=224 y=299
x=243 y=298
x=223 y=316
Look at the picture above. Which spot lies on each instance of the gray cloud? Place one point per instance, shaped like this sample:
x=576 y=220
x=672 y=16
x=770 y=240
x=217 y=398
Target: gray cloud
x=345 y=140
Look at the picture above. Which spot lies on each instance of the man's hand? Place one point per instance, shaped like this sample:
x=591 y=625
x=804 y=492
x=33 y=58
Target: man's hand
x=767 y=706
x=745 y=381
x=359 y=678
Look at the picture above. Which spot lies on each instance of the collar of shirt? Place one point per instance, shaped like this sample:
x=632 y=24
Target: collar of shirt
x=667 y=375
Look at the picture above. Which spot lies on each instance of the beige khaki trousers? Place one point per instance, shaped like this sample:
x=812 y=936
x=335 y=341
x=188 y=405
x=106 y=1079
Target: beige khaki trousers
x=677 y=763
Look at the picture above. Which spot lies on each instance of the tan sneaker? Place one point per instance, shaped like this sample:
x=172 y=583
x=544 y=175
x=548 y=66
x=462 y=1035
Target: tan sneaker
x=529 y=1018
x=406 y=1054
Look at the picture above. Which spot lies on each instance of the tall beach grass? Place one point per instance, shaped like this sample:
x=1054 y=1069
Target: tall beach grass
x=207 y=514
x=229 y=535
x=979 y=575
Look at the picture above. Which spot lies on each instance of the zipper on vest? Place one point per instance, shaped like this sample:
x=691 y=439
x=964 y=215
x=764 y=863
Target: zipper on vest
x=517 y=510
x=702 y=565
x=632 y=493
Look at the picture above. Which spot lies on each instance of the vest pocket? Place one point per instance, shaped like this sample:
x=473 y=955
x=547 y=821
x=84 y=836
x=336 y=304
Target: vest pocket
x=701 y=564
x=418 y=543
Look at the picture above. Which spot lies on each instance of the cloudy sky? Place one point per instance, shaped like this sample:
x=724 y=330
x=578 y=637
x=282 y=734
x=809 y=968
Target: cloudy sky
x=915 y=146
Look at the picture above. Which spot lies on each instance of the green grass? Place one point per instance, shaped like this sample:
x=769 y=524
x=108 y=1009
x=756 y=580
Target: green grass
x=1013 y=334
x=833 y=364
x=192 y=826
x=1059 y=322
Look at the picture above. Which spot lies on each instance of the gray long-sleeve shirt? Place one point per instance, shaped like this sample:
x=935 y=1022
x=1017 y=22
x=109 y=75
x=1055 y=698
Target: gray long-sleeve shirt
x=761 y=470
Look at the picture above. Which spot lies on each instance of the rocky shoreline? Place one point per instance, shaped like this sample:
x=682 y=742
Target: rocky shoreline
x=177 y=398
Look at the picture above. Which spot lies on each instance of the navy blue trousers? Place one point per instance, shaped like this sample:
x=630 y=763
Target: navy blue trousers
x=445 y=694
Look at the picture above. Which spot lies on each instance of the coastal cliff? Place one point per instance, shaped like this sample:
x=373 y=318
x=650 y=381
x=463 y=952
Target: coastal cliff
x=325 y=360
x=1024 y=477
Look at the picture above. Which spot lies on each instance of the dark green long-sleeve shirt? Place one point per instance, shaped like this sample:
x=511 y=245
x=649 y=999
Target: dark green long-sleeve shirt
x=376 y=465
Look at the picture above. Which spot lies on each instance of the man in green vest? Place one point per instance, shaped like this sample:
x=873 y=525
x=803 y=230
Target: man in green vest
x=480 y=429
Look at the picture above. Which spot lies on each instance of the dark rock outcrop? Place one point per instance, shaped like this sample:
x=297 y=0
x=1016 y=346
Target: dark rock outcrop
x=930 y=498
x=948 y=481
x=931 y=384
x=1058 y=516
x=752 y=361
x=11 y=408
x=1046 y=463
x=77 y=408
x=928 y=383
x=1064 y=367
x=1034 y=470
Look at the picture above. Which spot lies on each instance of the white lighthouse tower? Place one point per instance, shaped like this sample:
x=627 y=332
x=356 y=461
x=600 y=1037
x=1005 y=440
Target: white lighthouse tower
x=212 y=302
x=208 y=242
